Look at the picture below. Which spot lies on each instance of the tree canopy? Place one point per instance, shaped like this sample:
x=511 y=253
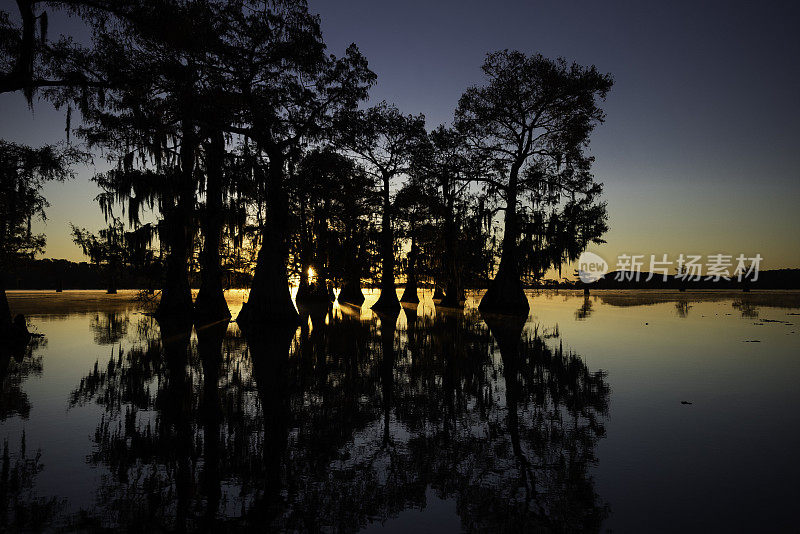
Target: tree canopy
x=530 y=126
x=238 y=142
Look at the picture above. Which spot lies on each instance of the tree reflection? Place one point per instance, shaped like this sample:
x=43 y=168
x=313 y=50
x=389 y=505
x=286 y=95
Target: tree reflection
x=18 y=362
x=21 y=509
x=585 y=310
x=345 y=421
x=109 y=327
x=746 y=308
x=209 y=347
x=146 y=438
x=682 y=308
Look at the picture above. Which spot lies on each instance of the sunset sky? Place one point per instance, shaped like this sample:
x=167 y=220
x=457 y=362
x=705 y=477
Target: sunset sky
x=699 y=153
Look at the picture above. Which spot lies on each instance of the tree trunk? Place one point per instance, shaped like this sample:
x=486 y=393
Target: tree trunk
x=505 y=293
x=21 y=75
x=176 y=296
x=210 y=305
x=269 y=297
x=454 y=295
x=410 y=294
x=303 y=289
x=351 y=288
x=331 y=293
x=351 y=293
x=454 y=290
x=314 y=254
x=388 y=299
x=323 y=291
x=112 y=280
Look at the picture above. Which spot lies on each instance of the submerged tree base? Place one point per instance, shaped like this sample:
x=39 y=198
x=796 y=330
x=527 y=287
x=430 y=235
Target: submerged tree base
x=387 y=302
x=270 y=300
x=253 y=316
x=453 y=299
x=14 y=338
x=175 y=308
x=410 y=294
x=258 y=312
x=505 y=295
x=303 y=291
x=210 y=307
x=351 y=294
x=313 y=294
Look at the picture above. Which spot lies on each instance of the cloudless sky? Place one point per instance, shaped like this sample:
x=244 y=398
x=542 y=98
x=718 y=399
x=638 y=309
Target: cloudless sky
x=699 y=153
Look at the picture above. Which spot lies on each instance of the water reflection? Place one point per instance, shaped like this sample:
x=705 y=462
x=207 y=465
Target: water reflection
x=18 y=362
x=109 y=327
x=585 y=310
x=343 y=422
x=354 y=419
x=682 y=308
x=21 y=507
x=746 y=307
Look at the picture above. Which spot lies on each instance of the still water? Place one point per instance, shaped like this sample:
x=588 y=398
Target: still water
x=624 y=411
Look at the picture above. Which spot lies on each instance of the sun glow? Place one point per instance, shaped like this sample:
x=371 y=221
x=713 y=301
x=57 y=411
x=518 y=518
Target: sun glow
x=311 y=272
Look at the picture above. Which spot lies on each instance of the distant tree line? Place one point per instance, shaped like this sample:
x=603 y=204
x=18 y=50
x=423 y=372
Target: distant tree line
x=55 y=274
x=239 y=143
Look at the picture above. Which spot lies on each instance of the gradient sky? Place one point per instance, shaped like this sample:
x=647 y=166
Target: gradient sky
x=699 y=153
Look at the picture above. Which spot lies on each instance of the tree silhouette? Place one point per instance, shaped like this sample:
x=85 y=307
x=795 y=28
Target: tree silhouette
x=229 y=122
x=321 y=173
x=237 y=144
x=290 y=89
x=29 y=61
x=150 y=122
x=415 y=205
x=449 y=165
x=355 y=202
x=210 y=304
x=23 y=173
x=529 y=125
x=383 y=140
x=107 y=247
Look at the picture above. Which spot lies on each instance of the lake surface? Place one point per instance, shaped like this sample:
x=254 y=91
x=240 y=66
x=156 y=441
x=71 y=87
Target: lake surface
x=625 y=411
